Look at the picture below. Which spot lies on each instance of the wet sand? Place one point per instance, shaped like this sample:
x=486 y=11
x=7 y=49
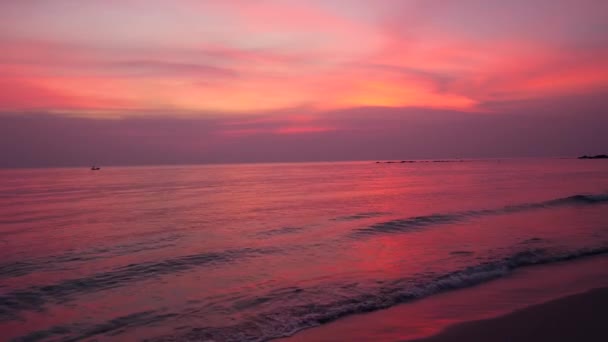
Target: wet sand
x=580 y=317
x=468 y=310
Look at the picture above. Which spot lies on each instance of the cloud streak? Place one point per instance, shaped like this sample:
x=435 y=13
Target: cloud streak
x=234 y=56
x=294 y=73
x=559 y=126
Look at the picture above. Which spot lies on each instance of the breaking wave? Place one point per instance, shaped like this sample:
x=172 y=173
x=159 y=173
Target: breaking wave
x=288 y=320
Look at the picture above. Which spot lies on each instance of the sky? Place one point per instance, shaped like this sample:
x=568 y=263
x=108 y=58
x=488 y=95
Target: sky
x=130 y=82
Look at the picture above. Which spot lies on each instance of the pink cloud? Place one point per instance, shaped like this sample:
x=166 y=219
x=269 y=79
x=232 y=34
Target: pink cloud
x=303 y=129
x=237 y=57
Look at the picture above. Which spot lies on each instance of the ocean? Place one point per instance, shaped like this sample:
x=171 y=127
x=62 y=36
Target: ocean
x=252 y=252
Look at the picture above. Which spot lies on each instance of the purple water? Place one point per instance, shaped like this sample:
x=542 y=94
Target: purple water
x=254 y=252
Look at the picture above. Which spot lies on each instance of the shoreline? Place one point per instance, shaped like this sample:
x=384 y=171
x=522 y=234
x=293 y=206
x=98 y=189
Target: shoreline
x=579 y=317
x=428 y=317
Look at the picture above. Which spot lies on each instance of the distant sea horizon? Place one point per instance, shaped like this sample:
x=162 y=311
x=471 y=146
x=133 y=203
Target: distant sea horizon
x=71 y=166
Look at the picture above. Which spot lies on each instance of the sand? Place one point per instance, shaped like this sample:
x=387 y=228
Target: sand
x=580 y=317
x=468 y=310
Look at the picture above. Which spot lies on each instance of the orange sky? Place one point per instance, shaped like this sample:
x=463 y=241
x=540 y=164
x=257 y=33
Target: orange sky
x=122 y=58
x=194 y=81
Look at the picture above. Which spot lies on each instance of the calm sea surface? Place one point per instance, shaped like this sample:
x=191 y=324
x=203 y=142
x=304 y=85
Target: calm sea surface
x=253 y=252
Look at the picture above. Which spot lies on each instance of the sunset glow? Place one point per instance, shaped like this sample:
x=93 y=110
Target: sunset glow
x=239 y=56
x=260 y=64
x=303 y=170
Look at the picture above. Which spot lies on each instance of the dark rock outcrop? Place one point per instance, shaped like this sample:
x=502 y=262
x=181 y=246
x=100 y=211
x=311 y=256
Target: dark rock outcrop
x=599 y=156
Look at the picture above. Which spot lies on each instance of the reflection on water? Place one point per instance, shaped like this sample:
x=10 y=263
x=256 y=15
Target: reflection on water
x=247 y=252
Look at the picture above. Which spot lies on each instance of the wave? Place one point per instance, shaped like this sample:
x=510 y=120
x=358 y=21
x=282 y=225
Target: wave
x=418 y=222
x=36 y=297
x=360 y=216
x=144 y=318
x=278 y=231
x=287 y=320
x=28 y=266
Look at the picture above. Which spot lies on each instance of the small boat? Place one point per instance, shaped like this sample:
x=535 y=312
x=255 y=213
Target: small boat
x=95 y=168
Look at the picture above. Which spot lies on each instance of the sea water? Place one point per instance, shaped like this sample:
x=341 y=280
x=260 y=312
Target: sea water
x=258 y=251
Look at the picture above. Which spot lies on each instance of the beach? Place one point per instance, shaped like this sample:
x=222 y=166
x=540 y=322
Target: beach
x=540 y=303
x=296 y=171
x=580 y=317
